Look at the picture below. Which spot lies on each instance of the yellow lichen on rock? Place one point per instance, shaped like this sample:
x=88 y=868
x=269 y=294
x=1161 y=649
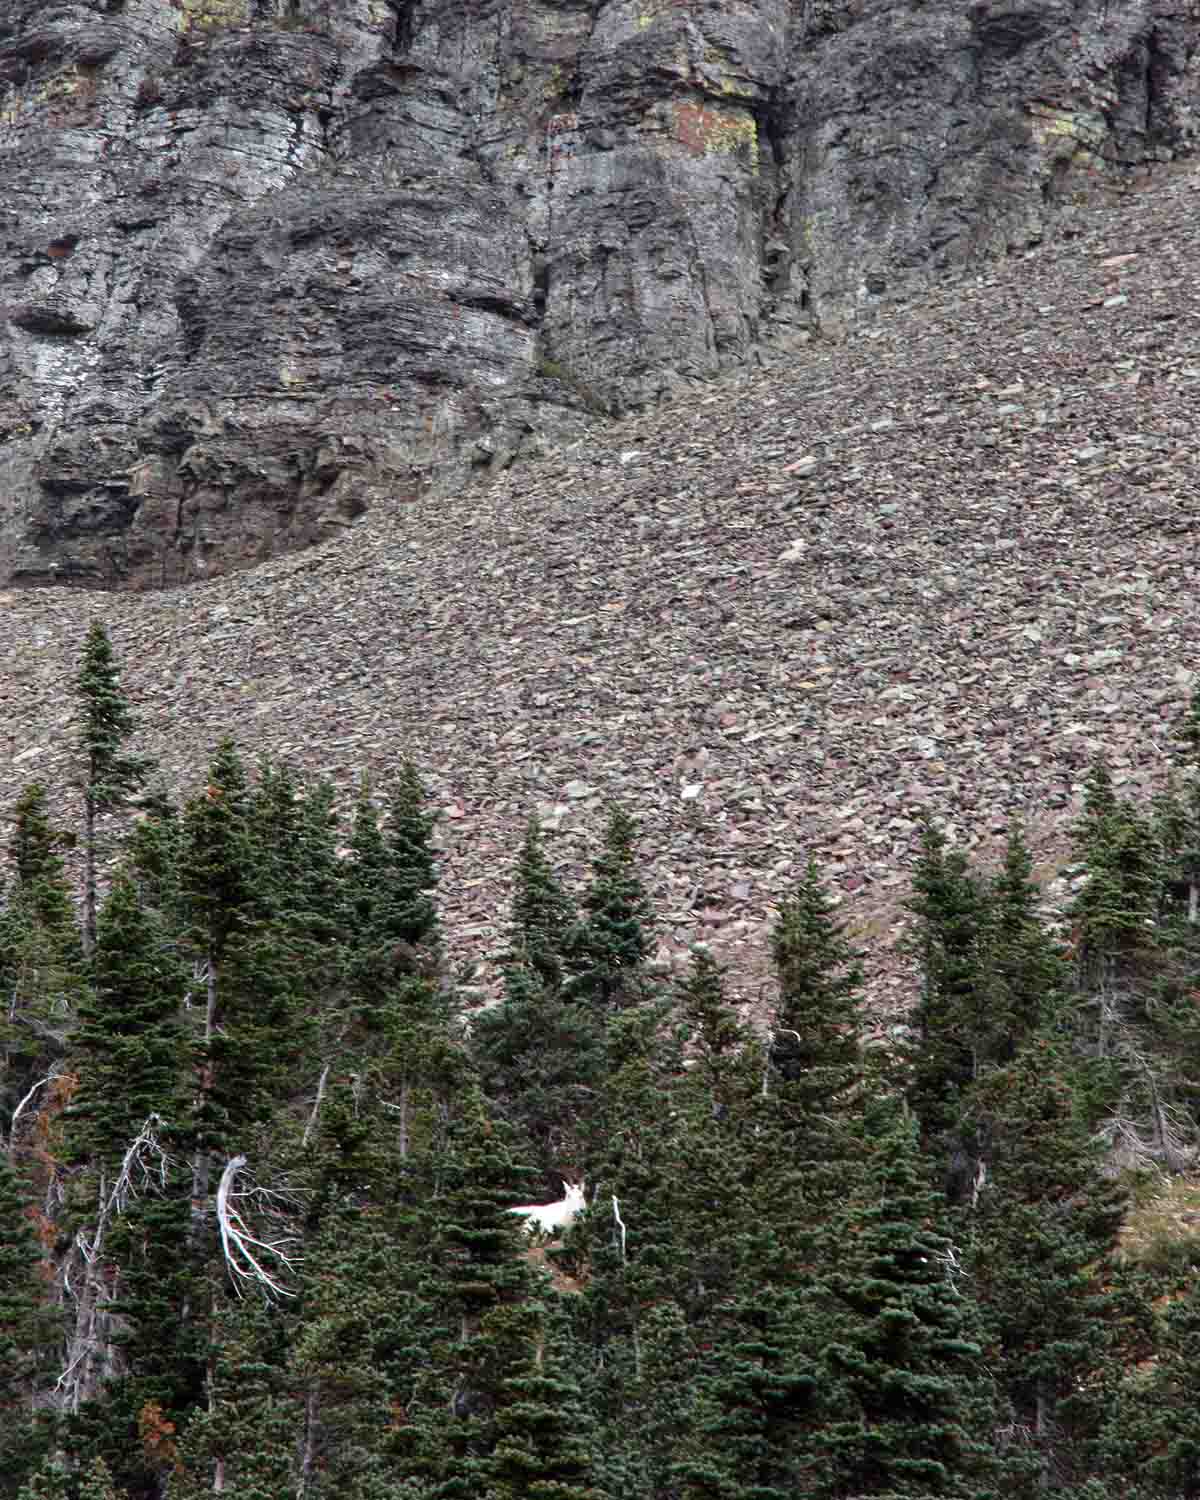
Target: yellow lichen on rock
x=717 y=131
x=209 y=13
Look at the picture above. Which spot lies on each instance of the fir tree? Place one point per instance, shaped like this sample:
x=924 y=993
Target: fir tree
x=952 y=1017
x=253 y=1029
x=542 y=914
x=242 y=1442
x=910 y=1406
x=609 y=946
x=41 y=953
x=478 y=1284
x=131 y=1055
x=815 y=1039
x=390 y=885
x=129 y=1046
x=52 y=1481
x=1115 y=911
x=1027 y=976
x=544 y=1448
x=1040 y=1229
x=110 y=776
x=26 y=1331
x=97 y=1483
x=1150 y=1446
x=540 y=1051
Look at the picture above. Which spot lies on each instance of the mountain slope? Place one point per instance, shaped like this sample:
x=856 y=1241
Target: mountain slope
x=265 y=263
x=936 y=567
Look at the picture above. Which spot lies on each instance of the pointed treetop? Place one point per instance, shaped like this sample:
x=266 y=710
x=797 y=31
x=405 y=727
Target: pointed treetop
x=111 y=777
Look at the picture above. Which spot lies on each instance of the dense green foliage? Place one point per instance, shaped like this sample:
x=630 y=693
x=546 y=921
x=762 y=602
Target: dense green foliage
x=258 y=1163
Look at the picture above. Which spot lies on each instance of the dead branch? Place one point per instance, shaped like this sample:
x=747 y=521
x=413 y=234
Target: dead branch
x=316 y=1109
x=16 y=1114
x=244 y=1252
x=620 y=1225
x=144 y=1167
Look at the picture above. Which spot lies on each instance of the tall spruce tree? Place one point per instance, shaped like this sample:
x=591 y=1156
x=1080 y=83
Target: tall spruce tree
x=815 y=1040
x=1116 y=909
x=27 y=1329
x=1149 y=1448
x=42 y=969
x=129 y=1047
x=542 y=913
x=951 y=907
x=1026 y=973
x=544 y=1447
x=539 y=1052
x=1040 y=1231
x=131 y=1055
x=253 y=1031
x=611 y=943
x=909 y=1403
x=741 y=1278
x=110 y=775
x=395 y=933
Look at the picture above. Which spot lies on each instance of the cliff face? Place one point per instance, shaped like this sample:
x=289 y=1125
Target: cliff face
x=267 y=263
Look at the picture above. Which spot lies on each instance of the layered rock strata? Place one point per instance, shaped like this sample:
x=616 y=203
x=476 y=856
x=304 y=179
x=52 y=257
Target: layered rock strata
x=269 y=263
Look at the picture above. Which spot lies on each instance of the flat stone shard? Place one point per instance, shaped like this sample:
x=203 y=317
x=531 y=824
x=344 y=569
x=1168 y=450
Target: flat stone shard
x=267 y=265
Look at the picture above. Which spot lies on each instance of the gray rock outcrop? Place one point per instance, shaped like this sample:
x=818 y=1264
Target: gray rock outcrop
x=267 y=263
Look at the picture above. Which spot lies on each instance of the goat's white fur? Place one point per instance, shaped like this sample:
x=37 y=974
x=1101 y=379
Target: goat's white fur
x=553 y=1218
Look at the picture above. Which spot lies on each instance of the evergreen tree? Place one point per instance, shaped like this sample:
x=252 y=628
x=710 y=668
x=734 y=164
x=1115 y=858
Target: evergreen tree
x=1134 y=987
x=544 y=1447
x=1115 y=911
x=609 y=946
x=539 y=1052
x=815 y=1039
x=253 y=1029
x=97 y=1483
x=478 y=1284
x=41 y=954
x=129 y=1046
x=542 y=914
x=395 y=931
x=366 y=1333
x=952 y=1016
x=52 y=1481
x=1041 y=1229
x=1150 y=1446
x=131 y=1055
x=910 y=1405
x=111 y=776
x=1027 y=976
x=242 y=1442
x=26 y=1330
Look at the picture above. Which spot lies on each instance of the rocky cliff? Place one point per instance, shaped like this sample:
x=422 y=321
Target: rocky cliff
x=269 y=263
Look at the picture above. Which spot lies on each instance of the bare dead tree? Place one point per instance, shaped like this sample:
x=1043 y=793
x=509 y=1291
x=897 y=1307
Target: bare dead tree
x=54 y=1072
x=247 y=1255
x=316 y=1109
x=91 y=1283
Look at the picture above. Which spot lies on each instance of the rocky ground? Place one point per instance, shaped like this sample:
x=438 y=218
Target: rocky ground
x=936 y=568
x=267 y=264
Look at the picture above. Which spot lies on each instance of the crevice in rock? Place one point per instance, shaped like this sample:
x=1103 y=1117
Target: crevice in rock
x=405 y=27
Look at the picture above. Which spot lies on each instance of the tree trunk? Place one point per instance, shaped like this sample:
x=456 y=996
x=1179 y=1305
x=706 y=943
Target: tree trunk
x=89 y=874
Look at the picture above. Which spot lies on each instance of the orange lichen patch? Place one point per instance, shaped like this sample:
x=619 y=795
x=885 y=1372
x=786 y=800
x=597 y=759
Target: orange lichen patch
x=710 y=132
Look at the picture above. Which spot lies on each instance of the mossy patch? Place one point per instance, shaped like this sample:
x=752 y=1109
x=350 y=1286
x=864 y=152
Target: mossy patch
x=1162 y=1227
x=213 y=13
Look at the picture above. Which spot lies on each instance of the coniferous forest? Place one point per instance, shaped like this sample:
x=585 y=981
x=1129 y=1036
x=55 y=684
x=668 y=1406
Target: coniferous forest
x=258 y=1161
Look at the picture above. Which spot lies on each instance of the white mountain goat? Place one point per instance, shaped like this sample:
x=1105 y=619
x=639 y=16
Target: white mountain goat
x=553 y=1218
